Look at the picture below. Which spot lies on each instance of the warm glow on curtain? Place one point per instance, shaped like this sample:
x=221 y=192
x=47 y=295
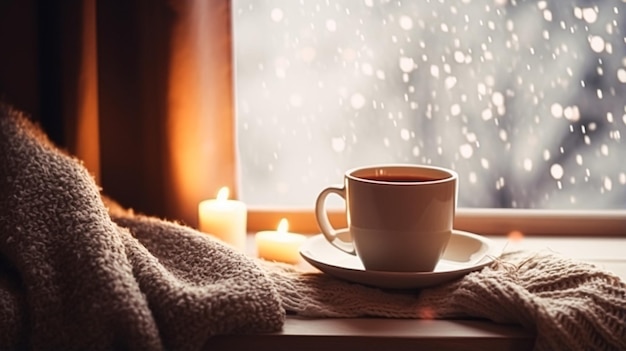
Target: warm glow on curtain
x=200 y=125
x=154 y=103
x=87 y=138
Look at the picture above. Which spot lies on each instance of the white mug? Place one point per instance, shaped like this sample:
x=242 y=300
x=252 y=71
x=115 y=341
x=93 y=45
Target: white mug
x=400 y=217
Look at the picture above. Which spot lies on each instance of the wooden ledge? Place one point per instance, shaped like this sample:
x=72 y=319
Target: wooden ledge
x=382 y=334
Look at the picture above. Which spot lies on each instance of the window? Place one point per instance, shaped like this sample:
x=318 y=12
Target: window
x=526 y=100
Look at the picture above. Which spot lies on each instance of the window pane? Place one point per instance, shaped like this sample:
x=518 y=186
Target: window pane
x=525 y=99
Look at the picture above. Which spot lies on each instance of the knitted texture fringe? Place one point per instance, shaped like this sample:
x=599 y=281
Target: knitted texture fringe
x=570 y=305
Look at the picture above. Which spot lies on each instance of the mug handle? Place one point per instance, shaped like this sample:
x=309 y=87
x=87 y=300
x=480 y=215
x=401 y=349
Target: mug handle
x=330 y=233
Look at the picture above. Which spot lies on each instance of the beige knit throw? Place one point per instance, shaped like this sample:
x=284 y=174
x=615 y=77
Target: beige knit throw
x=79 y=272
x=71 y=278
x=568 y=304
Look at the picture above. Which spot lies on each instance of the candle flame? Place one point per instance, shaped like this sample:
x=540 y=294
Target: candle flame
x=222 y=194
x=283 y=226
x=516 y=236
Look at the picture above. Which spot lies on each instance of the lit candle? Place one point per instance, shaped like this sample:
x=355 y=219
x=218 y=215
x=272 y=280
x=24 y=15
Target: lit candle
x=225 y=219
x=279 y=245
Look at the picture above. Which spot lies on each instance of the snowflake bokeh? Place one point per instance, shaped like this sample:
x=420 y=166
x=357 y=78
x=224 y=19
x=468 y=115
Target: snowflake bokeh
x=526 y=100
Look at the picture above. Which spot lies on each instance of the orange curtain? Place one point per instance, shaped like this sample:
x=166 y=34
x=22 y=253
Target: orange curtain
x=200 y=123
x=141 y=91
x=165 y=104
x=87 y=141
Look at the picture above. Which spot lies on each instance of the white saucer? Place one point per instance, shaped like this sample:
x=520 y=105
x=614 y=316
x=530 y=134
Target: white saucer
x=466 y=252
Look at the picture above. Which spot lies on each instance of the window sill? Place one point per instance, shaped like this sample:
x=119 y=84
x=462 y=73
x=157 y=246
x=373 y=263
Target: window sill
x=398 y=334
x=382 y=334
x=605 y=223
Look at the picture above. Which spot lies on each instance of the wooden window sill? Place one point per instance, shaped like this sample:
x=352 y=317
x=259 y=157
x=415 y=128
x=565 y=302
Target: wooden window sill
x=402 y=334
x=382 y=334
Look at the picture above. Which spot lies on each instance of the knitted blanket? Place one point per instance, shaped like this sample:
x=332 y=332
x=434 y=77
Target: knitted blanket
x=71 y=277
x=79 y=272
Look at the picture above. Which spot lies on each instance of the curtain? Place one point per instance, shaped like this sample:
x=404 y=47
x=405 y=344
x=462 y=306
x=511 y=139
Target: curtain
x=141 y=91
